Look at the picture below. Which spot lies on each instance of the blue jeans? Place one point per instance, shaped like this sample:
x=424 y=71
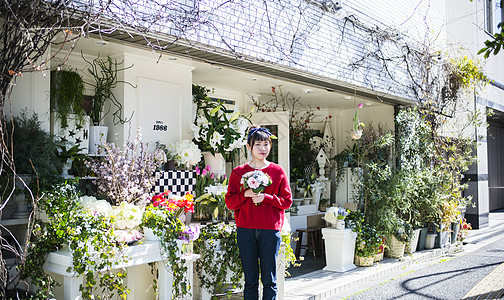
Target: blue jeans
x=259 y=245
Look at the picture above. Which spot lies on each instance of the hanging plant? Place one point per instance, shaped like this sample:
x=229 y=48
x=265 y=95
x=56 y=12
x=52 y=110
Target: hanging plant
x=356 y=132
x=67 y=95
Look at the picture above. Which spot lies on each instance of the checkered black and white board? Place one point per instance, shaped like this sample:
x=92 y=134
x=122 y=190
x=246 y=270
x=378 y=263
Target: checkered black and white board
x=178 y=182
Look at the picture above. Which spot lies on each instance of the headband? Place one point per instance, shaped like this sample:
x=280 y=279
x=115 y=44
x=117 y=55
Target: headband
x=265 y=130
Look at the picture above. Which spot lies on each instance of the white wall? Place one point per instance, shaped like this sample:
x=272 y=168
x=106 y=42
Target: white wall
x=163 y=97
x=32 y=92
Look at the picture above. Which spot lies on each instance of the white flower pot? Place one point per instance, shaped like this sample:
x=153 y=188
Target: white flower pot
x=217 y=163
x=340 y=225
x=66 y=167
x=97 y=138
x=339 y=249
x=431 y=239
x=356 y=134
x=149 y=234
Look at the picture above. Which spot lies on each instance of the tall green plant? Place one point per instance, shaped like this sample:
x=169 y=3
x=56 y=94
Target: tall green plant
x=104 y=72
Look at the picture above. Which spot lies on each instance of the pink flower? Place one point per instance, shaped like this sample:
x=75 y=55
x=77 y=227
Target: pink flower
x=253 y=183
x=212 y=176
x=204 y=172
x=208 y=168
x=360 y=105
x=197 y=171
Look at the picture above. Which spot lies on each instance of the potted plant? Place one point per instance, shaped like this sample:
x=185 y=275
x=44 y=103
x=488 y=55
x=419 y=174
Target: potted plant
x=67 y=96
x=368 y=240
x=36 y=151
x=220 y=263
x=68 y=155
x=213 y=201
x=356 y=132
x=397 y=241
x=219 y=132
x=104 y=73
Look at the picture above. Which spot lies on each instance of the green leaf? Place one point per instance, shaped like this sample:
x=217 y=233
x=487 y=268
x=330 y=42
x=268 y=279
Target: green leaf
x=215 y=110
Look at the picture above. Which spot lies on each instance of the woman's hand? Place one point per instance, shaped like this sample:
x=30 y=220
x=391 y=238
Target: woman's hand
x=250 y=193
x=258 y=198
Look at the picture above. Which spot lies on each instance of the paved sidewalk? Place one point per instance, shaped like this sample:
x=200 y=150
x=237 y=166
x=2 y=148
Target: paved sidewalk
x=491 y=287
x=324 y=284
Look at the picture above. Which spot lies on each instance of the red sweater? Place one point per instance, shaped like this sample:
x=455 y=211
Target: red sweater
x=270 y=213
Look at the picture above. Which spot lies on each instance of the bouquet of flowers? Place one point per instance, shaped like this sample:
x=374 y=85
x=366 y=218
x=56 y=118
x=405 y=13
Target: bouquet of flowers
x=187 y=236
x=255 y=180
x=333 y=214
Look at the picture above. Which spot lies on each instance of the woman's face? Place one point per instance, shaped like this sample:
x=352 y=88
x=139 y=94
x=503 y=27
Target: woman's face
x=260 y=149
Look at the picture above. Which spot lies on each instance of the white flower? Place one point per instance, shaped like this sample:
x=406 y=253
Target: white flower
x=216 y=139
x=196 y=132
x=185 y=152
x=236 y=144
x=127 y=216
x=331 y=215
x=242 y=125
x=93 y=206
x=216 y=190
x=286 y=228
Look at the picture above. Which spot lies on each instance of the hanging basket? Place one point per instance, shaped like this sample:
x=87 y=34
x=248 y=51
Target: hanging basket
x=355 y=134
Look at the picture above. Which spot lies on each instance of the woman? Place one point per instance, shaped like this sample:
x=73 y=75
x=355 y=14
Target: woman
x=259 y=217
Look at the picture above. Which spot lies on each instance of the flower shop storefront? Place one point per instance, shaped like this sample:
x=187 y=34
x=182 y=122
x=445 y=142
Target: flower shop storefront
x=101 y=243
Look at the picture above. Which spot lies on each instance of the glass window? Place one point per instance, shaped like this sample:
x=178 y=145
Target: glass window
x=489 y=16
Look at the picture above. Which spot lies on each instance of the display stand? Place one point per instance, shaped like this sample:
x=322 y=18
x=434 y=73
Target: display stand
x=339 y=249
x=139 y=279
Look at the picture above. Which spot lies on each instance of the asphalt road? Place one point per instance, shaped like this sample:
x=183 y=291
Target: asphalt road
x=445 y=278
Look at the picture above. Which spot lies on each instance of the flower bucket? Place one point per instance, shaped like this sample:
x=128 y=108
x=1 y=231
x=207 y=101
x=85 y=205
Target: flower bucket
x=378 y=257
x=97 y=138
x=364 y=261
x=217 y=163
x=422 y=238
x=455 y=230
x=412 y=245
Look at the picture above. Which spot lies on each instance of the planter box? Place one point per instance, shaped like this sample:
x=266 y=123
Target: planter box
x=139 y=279
x=412 y=245
x=422 y=238
x=378 y=257
x=339 y=249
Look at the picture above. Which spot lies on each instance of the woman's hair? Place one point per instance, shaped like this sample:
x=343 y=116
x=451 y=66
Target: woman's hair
x=258 y=133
